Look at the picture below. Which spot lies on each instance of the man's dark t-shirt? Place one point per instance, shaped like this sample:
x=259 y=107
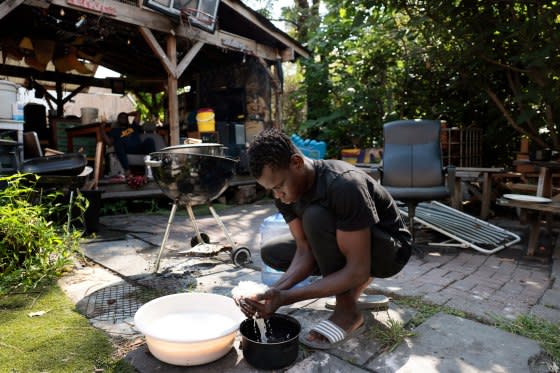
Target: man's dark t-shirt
x=130 y=135
x=356 y=199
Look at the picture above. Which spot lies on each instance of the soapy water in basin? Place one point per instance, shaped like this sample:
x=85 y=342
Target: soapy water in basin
x=196 y=325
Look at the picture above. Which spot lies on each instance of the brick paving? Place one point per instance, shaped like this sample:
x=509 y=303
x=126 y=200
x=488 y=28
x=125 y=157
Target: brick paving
x=478 y=284
x=504 y=284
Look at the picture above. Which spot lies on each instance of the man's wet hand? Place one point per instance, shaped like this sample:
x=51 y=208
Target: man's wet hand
x=266 y=304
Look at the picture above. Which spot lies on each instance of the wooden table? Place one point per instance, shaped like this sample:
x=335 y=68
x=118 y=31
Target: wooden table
x=479 y=174
x=532 y=212
x=545 y=170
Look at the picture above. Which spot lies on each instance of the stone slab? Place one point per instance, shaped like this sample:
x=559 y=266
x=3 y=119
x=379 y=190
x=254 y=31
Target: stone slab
x=223 y=282
x=551 y=298
x=363 y=347
x=85 y=281
x=449 y=344
x=120 y=256
x=233 y=362
x=555 y=272
x=546 y=313
x=322 y=362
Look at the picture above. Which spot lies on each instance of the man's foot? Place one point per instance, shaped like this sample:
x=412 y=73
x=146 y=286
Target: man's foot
x=327 y=334
x=347 y=322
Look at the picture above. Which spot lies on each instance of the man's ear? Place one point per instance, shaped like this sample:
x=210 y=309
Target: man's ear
x=296 y=161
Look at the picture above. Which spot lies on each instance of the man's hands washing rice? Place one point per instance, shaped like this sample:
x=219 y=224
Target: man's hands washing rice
x=256 y=300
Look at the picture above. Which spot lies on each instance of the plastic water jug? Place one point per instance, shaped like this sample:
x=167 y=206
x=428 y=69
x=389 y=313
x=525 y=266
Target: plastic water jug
x=274 y=226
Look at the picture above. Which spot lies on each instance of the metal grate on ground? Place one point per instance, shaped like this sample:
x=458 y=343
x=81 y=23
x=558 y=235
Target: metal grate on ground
x=120 y=301
x=463 y=229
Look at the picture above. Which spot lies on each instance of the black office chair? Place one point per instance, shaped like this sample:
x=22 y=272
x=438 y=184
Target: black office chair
x=412 y=169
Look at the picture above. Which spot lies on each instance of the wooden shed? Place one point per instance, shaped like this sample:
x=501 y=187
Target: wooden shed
x=229 y=60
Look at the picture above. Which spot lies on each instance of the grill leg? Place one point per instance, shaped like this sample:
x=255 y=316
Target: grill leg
x=166 y=235
x=193 y=220
x=221 y=224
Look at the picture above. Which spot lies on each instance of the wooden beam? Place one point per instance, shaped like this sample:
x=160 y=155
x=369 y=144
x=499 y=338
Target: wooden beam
x=278 y=35
x=185 y=62
x=48 y=98
x=52 y=76
x=159 y=22
x=7 y=6
x=275 y=80
x=73 y=93
x=158 y=51
x=59 y=104
x=38 y=3
x=172 y=98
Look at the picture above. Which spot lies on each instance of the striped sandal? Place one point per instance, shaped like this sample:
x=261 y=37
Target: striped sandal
x=373 y=303
x=334 y=334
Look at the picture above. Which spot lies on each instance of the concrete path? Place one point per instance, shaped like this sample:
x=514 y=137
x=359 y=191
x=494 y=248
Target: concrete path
x=481 y=286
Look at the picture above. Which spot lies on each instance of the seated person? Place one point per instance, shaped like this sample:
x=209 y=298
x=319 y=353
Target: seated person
x=125 y=138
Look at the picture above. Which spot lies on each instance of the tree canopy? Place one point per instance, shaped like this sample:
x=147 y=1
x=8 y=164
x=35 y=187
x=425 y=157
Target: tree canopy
x=495 y=65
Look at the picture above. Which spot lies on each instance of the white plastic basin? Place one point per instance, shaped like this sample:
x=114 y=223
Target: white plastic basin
x=189 y=328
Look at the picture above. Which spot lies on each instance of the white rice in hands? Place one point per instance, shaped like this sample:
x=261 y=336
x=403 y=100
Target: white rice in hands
x=248 y=289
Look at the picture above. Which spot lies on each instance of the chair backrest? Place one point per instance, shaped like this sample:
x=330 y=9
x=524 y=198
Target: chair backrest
x=412 y=154
x=31 y=145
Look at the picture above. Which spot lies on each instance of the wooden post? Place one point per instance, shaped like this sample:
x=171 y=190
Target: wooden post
x=59 y=100
x=173 y=100
x=486 y=195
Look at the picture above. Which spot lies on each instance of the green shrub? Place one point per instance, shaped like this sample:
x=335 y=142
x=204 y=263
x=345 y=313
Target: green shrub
x=33 y=247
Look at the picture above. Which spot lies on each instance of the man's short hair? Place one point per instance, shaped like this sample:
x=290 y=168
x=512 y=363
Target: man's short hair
x=272 y=148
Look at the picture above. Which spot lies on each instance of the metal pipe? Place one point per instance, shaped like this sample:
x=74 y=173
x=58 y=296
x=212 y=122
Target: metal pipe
x=166 y=234
x=221 y=224
x=195 y=226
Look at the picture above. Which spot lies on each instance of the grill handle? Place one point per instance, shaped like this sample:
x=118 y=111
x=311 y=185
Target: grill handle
x=151 y=163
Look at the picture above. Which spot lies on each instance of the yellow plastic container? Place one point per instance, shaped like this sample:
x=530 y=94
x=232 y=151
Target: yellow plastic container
x=204 y=116
x=205 y=120
x=206 y=125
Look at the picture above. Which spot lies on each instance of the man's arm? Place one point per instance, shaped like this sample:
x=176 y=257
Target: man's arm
x=136 y=115
x=356 y=248
x=302 y=264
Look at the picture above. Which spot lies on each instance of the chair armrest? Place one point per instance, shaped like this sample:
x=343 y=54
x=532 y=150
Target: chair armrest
x=451 y=176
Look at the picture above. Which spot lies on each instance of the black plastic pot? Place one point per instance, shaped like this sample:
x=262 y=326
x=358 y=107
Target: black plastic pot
x=282 y=348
